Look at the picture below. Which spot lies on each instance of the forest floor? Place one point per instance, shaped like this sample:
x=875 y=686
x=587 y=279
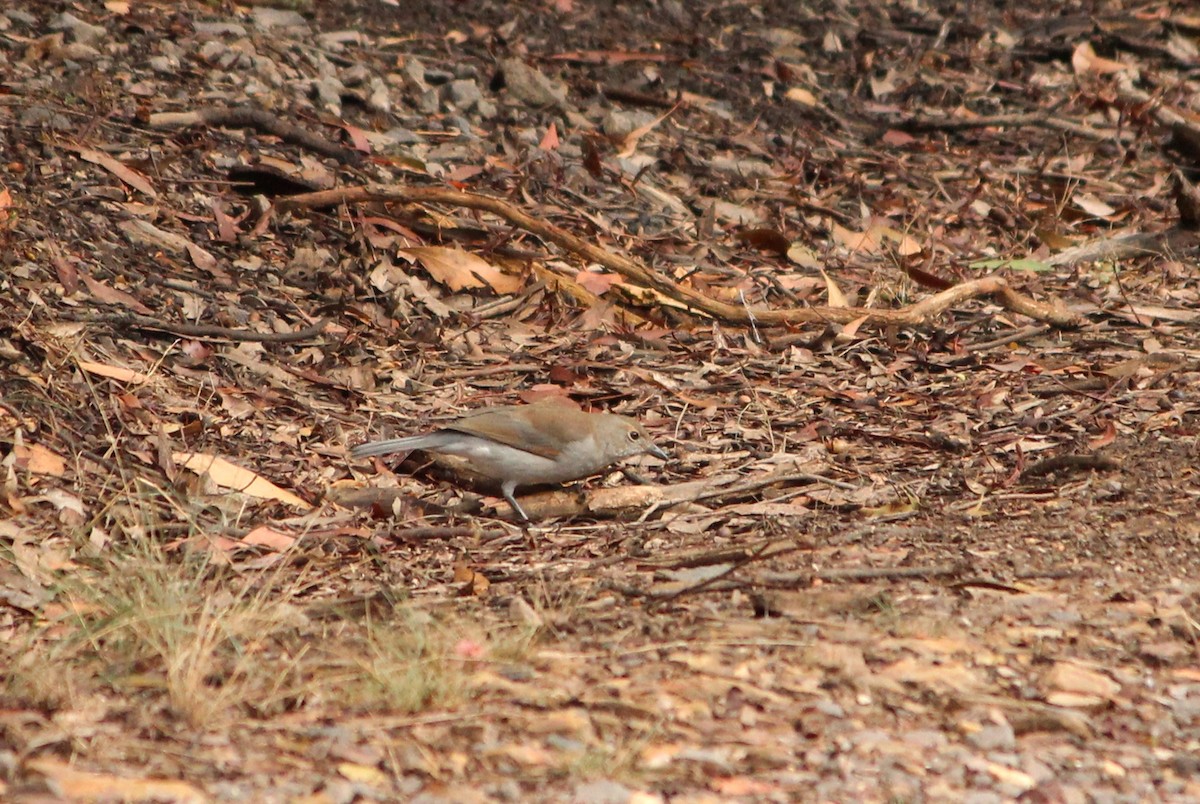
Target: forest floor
x=938 y=553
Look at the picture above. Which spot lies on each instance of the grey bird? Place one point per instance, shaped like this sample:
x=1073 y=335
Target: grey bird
x=526 y=445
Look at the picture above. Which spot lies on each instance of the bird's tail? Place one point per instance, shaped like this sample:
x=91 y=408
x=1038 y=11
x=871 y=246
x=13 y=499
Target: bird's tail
x=427 y=441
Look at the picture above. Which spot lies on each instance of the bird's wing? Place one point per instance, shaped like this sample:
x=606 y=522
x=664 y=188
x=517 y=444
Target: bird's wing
x=545 y=439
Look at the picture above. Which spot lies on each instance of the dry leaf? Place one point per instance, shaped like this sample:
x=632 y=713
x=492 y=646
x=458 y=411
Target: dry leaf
x=1085 y=60
x=113 y=372
x=629 y=146
x=596 y=282
x=39 y=460
x=835 y=296
x=231 y=476
x=803 y=256
x=1071 y=678
x=801 y=96
x=550 y=141
x=1093 y=205
x=364 y=774
x=269 y=537
x=77 y=785
x=458 y=269
x=123 y=172
x=113 y=296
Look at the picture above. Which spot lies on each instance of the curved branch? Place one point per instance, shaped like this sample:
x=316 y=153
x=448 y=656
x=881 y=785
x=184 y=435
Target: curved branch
x=913 y=315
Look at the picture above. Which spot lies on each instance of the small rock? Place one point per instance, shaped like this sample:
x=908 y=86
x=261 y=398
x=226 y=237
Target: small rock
x=78 y=52
x=982 y=797
x=925 y=738
x=212 y=51
x=1186 y=764
x=329 y=92
x=601 y=791
x=22 y=17
x=429 y=102
x=413 y=74
x=268 y=71
x=464 y=94
x=830 y=708
x=993 y=737
x=209 y=30
x=164 y=65
x=532 y=87
x=42 y=117
x=620 y=124
x=355 y=76
x=267 y=18
x=465 y=129
x=402 y=136
x=378 y=99
x=336 y=41
x=677 y=12
x=83 y=32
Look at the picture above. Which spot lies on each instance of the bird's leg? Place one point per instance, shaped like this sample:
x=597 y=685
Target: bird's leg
x=507 y=489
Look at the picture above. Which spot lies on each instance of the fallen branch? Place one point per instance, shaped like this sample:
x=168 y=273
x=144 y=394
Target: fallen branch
x=430 y=533
x=1046 y=119
x=792 y=580
x=260 y=119
x=202 y=332
x=912 y=316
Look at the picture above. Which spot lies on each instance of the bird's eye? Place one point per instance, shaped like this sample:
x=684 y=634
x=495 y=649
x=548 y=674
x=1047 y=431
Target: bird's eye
x=634 y=435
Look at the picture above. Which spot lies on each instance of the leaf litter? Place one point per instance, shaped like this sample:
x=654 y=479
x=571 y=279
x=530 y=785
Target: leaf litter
x=927 y=557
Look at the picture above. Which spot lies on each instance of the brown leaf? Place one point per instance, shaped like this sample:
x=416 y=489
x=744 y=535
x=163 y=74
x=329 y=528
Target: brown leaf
x=898 y=139
x=123 y=172
x=458 y=269
x=113 y=372
x=835 y=296
x=269 y=537
x=1085 y=60
x=113 y=296
x=39 y=460
x=1072 y=677
x=802 y=96
x=230 y=476
x=77 y=785
x=68 y=277
x=596 y=282
x=550 y=141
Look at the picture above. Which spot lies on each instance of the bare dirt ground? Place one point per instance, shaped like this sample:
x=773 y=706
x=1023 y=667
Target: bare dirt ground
x=950 y=554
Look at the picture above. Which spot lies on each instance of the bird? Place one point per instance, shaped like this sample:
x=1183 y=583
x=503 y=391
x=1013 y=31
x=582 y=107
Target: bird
x=523 y=445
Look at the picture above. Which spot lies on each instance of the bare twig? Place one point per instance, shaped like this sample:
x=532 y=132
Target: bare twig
x=1043 y=119
x=914 y=315
x=260 y=119
x=202 y=331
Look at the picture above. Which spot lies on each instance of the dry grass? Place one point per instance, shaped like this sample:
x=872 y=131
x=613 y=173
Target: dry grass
x=190 y=641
